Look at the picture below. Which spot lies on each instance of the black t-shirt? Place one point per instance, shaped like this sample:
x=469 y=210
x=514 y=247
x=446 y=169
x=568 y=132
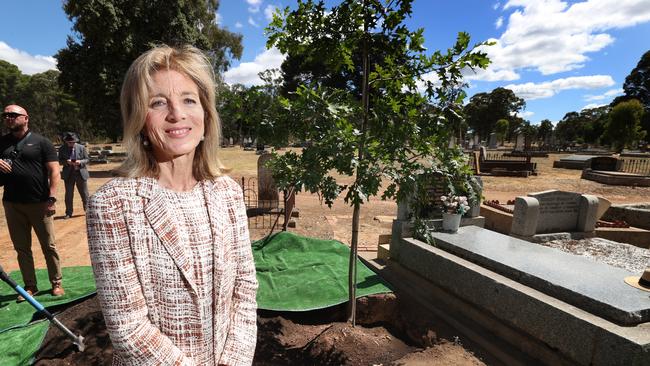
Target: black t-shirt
x=28 y=181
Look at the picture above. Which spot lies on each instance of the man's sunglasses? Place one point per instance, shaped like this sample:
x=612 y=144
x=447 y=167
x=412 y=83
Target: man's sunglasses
x=11 y=115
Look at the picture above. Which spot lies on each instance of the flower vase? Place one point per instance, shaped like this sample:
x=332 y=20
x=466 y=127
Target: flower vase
x=450 y=222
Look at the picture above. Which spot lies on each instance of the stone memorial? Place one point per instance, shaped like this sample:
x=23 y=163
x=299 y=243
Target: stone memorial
x=604 y=163
x=553 y=215
x=492 y=141
x=267 y=192
x=477 y=140
x=520 y=142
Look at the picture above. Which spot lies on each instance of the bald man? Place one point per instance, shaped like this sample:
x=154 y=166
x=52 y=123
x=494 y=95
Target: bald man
x=29 y=169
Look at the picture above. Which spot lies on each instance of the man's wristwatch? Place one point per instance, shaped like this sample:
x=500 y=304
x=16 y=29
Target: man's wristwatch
x=51 y=200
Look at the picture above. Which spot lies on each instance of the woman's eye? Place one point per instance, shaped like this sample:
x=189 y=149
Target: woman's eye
x=190 y=101
x=158 y=103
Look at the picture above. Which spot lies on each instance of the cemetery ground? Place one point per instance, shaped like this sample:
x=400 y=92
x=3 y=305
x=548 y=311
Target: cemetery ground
x=319 y=336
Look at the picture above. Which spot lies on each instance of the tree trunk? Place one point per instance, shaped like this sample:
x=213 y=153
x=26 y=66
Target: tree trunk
x=352 y=269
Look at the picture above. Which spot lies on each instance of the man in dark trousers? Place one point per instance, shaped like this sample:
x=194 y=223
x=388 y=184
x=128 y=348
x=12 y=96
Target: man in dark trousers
x=29 y=169
x=74 y=158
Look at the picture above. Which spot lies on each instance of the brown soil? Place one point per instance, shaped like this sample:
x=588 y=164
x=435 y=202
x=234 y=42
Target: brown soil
x=335 y=342
x=310 y=338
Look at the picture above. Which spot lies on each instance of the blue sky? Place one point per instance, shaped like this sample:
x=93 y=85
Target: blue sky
x=560 y=56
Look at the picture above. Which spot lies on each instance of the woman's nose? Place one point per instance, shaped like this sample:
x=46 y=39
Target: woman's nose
x=176 y=112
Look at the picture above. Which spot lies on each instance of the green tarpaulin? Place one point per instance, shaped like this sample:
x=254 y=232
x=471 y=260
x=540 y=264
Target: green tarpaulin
x=298 y=273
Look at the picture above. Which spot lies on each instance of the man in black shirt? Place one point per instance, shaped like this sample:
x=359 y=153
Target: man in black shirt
x=29 y=170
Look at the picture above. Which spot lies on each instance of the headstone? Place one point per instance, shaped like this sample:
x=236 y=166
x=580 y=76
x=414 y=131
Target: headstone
x=604 y=163
x=555 y=211
x=230 y=141
x=267 y=192
x=452 y=142
x=519 y=143
x=492 y=142
x=477 y=140
x=603 y=205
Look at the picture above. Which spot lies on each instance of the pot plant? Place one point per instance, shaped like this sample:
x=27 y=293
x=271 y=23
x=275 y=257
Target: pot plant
x=455 y=208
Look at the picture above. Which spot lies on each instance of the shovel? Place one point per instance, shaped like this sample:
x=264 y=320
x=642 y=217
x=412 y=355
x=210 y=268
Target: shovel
x=76 y=340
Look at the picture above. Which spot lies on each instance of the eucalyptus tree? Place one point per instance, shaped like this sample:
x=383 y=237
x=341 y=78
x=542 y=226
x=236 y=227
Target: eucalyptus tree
x=355 y=87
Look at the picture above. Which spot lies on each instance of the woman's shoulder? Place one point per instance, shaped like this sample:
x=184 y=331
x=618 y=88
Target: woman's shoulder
x=225 y=183
x=115 y=187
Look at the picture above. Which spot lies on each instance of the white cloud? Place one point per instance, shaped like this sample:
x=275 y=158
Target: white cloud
x=217 y=18
x=592 y=105
x=252 y=22
x=606 y=95
x=490 y=74
x=268 y=12
x=496 y=5
x=526 y=114
x=246 y=72
x=28 y=64
x=239 y=25
x=547 y=89
x=499 y=22
x=254 y=5
x=553 y=36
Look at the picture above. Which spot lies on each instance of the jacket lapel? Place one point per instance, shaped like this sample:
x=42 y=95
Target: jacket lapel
x=160 y=219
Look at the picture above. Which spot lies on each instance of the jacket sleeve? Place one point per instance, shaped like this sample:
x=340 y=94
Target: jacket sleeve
x=84 y=158
x=242 y=336
x=136 y=341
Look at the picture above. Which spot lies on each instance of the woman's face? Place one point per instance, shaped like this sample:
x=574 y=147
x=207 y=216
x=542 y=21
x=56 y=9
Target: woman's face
x=174 y=122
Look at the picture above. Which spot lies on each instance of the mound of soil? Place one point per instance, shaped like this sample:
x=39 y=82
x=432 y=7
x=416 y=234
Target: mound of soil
x=381 y=337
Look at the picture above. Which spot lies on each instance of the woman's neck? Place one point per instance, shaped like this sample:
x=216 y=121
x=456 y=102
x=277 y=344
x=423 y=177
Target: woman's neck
x=177 y=175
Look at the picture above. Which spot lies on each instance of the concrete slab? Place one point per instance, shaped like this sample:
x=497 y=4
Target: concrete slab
x=594 y=287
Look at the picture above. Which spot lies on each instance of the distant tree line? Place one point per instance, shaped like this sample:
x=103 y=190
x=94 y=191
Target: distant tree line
x=51 y=111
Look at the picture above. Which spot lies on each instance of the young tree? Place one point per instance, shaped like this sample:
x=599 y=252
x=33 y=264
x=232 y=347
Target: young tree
x=110 y=34
x=361 y=101
x=623 y=128
x=545 y=131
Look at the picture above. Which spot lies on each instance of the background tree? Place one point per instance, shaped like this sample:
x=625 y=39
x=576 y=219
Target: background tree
x=623 y=129
x=51 y=111
x=110 y=34
x=485 y=109
x=355 y=70
x=545 y=131
x=10 y=83
x=501 y=129
x=637 y=86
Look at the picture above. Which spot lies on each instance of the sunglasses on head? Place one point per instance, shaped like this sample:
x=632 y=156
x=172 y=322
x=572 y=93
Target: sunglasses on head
x=11 y=115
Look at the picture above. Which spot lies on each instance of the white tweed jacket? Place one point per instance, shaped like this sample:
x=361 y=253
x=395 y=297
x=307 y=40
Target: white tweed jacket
x=145 y=279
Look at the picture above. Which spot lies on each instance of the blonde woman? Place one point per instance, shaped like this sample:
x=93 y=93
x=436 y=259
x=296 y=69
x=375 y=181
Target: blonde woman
x=169 y=239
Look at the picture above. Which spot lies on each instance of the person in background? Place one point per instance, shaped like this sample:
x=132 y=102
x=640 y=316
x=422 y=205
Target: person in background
x=169 y=240
x=74 y=158
x=30 y=173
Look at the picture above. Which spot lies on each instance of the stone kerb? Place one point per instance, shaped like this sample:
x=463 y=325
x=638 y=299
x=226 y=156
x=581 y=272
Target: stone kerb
x=554 y=212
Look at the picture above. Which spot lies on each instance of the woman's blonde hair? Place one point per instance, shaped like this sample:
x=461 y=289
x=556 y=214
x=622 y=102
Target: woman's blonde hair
x=134 y=102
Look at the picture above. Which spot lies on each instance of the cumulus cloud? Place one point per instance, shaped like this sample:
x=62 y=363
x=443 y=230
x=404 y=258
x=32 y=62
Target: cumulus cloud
x=526 y=114
x=246 y=72
x=239 y=25
x=28 y=64
x=606 y=95
x=547 y=89
x=496 y=5
x=268 y=12
x=252 y=22
x=254 y=5
x=217 y=18
x=551 y=36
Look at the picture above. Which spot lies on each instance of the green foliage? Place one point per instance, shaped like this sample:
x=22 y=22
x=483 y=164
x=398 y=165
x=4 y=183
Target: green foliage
x=110 y=34
x=585 y=126
x=485 y=109
x=623 y=129
x=501 y=129
x=545 y=130
x=51 y=111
